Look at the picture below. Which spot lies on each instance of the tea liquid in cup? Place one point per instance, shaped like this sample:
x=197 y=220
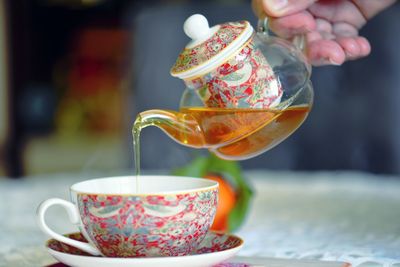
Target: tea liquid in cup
x=169 y=216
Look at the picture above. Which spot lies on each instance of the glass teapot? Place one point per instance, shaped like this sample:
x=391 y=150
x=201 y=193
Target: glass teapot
x=246 y=91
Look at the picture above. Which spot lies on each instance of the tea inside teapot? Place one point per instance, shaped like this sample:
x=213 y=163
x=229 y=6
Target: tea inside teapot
x=233 y=134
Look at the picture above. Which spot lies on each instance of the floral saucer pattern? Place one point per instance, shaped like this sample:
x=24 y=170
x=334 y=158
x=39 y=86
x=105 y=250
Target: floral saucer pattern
x=213 y=251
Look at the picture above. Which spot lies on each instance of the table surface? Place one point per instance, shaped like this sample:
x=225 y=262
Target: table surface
x=325 y=216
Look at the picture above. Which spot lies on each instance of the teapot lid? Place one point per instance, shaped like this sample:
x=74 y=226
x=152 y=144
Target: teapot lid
x=209 y=47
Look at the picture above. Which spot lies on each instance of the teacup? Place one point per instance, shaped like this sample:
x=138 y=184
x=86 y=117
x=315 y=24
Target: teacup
x=166 y=216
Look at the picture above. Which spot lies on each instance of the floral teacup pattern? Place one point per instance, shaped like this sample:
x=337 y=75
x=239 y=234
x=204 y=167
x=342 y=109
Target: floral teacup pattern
x=148 y=225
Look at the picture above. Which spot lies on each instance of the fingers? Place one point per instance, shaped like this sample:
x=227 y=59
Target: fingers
x=365 y=46
x=350 y=47
x=344 y=29
x=325 y=52
x=323 y=25
x=278 y=8
x=332 y=36
x=335 y=51
x=338 y=11
x=292 y=25
x=335 y=43
x=354 y=47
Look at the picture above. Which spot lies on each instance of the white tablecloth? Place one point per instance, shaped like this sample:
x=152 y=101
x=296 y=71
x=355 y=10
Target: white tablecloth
x=329 y=216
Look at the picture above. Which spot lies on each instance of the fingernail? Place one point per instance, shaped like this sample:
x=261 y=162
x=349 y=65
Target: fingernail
x=325 y=62
x=277 y=5
x=334 y=63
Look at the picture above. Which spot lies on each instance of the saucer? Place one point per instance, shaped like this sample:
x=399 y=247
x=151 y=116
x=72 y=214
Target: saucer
x=214 y=249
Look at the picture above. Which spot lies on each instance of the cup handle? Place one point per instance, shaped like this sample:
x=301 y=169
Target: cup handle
x=299 y=41
x=73 y=217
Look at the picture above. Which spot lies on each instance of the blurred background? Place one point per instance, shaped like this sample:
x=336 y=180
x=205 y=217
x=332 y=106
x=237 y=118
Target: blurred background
x=74 y=74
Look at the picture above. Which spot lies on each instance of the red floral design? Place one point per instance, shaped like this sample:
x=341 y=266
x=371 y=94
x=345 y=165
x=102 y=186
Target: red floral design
x=213 y=242
x=140 y=226
x=200 y=54
x=244 y=81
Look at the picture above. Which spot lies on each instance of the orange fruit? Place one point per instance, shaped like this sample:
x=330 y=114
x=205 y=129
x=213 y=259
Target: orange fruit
x=226 y=202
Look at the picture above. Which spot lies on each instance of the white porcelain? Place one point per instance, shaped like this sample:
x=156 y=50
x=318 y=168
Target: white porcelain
x=195 y=260
x=196 y=27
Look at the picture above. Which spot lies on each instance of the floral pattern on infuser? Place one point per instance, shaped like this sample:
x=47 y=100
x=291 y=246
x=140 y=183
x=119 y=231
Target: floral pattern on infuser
x=245 y=80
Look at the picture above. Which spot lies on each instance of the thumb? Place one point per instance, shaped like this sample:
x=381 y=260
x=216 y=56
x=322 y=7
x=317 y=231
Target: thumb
x=279 y=8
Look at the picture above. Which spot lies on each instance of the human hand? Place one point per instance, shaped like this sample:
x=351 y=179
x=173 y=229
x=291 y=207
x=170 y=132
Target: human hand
x=331 y=27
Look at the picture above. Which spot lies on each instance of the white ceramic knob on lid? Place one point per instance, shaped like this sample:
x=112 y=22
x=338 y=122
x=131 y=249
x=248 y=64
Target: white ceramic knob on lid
x=210 y=46
x=196 y=28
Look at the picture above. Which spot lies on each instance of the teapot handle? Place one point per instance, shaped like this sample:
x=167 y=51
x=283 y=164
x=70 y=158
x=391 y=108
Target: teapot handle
x=299 y=41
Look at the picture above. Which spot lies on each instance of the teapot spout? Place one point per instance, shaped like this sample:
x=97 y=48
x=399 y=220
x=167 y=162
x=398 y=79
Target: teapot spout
x=181 y=127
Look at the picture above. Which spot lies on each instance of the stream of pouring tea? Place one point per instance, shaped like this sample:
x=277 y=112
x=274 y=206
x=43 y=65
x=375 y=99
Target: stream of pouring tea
x=136 y=149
